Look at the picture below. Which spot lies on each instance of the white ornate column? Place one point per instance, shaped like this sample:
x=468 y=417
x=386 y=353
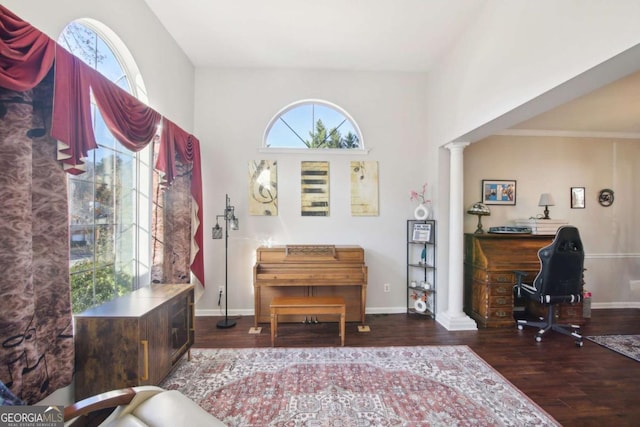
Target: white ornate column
x=454 y=319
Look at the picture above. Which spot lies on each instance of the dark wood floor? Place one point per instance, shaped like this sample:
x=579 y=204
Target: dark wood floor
x=588 y=386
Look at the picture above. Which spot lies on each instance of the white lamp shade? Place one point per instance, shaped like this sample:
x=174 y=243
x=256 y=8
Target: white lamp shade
x=546 y=199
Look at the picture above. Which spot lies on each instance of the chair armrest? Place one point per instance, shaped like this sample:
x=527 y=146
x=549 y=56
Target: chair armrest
x=109 y=399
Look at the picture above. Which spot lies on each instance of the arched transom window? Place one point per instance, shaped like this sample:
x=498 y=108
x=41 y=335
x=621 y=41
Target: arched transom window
x=313 y=124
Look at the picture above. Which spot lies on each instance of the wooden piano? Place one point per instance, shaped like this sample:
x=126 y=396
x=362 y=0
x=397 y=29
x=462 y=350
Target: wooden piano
x=310 y=270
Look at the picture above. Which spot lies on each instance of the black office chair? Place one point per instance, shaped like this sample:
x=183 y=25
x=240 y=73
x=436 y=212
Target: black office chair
x=559 y=280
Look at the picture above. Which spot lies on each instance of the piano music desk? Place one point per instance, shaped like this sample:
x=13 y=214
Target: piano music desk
x=306 y=306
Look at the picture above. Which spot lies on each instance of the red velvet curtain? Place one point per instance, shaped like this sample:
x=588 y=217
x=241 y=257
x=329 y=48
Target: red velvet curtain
x=27 y=56
x=188 y=148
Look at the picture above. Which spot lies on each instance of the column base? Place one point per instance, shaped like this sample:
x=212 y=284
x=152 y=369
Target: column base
x=457 y=322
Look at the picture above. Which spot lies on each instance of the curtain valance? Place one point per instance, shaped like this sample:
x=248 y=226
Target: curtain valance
x=27 y=55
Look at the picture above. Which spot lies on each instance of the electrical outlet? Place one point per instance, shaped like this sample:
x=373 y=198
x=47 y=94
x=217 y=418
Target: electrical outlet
x=387 y=287
x=221 y=289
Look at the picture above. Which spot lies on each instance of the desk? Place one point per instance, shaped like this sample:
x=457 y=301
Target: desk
x=489 y=263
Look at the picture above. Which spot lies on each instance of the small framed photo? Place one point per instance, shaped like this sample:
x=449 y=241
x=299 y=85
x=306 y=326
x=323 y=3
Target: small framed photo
x=422 y=232
x=577 y=198
x=498 y=192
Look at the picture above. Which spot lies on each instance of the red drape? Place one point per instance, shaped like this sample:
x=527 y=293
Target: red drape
x=71 y=121
x=133 y=123
x=188 y=148
x=27 y=54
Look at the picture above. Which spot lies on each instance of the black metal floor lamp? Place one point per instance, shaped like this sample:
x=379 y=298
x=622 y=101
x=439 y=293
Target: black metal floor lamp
x=231 y=222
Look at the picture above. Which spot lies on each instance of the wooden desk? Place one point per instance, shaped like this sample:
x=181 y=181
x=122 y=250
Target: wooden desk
x=489 y=264
x=306 y=306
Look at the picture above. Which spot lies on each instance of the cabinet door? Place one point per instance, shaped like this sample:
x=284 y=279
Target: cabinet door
x=155 y=359
x=107 y=352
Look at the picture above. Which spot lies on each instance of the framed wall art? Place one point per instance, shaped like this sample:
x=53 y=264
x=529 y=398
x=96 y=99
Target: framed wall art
x=498 y=192
x=314 y=195
x=577 y=198
x=364 y=188
x=263 y=187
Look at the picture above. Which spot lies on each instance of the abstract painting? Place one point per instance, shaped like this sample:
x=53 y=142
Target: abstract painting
x=314 y=189
x=263 y=187
x=364 y=188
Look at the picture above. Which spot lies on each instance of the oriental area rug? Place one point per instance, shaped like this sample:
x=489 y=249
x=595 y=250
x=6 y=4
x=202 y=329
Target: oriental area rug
x=628 y=345
x=349 y=386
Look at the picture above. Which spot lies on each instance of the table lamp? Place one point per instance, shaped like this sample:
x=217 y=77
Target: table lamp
x=546 y=200
x=480 y=210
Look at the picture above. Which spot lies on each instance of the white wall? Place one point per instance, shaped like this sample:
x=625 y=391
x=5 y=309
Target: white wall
x=519 y=49
x=553 y=165
x=233 y=108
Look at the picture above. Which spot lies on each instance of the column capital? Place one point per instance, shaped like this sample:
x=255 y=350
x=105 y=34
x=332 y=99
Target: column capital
x=456 y=145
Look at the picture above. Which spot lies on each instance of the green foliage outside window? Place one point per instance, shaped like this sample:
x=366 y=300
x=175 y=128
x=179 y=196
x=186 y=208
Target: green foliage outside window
x=88 y=291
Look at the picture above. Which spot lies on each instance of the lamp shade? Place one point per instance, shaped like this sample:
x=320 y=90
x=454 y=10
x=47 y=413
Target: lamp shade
x=479 y=209
x=546 y=199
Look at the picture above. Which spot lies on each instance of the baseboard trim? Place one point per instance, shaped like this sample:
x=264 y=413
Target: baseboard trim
x=250 y=312
x=625 y=304
x=400 y=310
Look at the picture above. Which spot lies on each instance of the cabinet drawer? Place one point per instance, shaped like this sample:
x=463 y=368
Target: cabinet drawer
x=501 y=313
x=501 y=301
x=501 y=290
x=494 y=277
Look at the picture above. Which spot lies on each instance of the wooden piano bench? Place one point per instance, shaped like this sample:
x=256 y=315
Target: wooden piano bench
x=306 y=306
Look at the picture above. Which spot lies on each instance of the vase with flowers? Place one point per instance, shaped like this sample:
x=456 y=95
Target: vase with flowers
x=423 y=210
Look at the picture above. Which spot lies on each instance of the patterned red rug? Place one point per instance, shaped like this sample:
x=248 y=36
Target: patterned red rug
x=628 y=345
x=347 y=386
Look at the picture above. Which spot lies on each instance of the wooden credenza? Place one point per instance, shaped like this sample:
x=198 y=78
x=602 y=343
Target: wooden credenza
x=310 y=270
x=133 y=340
x=489 y=264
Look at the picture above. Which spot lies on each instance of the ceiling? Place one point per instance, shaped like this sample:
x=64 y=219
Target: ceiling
x=366 y=35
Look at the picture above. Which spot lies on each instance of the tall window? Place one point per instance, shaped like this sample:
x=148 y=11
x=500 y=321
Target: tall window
x=109 y=203
x=313 y=124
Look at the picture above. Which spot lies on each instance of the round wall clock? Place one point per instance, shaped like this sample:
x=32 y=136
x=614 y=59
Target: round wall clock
x=605 y=198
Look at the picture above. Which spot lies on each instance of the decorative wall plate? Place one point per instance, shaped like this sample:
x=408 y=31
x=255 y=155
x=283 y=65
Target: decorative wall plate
x=605 y=198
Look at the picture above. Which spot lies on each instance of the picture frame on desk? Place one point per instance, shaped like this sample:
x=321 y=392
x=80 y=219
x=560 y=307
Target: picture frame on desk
x=577 y=198
x=422 y=233
x=499 y=192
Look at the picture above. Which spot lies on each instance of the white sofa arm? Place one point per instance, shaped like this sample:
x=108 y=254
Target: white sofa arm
x=147 y=406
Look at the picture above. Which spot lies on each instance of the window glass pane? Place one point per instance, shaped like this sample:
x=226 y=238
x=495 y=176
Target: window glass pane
x=104 y=137
x=312 y=125
x=82 y=239
x=105 y=286
x=105 y=245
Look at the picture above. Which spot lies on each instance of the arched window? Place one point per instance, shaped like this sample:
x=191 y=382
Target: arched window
x=313 y=124
x=109 y=204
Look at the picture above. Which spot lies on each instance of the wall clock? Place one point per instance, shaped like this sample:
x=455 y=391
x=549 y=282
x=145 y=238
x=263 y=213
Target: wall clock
x=605 y=198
